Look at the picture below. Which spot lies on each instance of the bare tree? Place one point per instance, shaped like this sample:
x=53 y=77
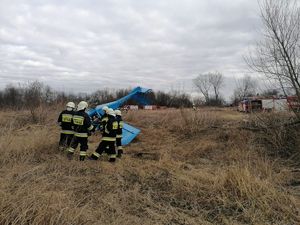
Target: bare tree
x=207 y=83
x=278 y=54
x=216 y=80
x=245 y=87
x=203 y=84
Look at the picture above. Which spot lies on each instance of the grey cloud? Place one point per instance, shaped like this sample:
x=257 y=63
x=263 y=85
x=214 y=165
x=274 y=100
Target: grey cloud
x=84 y=45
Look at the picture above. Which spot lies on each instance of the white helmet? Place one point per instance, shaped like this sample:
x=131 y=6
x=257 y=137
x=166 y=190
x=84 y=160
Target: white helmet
x=110 y=112
x=70 y=106
x=105 y=108
x=118 y=112
x=82 y=105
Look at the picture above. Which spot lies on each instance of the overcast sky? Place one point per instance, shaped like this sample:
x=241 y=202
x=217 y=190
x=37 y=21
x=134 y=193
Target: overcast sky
x=82 y=45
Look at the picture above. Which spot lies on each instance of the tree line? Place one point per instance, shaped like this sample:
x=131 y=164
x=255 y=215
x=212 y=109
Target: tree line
x=34 y=94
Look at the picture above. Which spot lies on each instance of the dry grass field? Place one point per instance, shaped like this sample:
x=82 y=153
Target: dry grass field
x=186 y=167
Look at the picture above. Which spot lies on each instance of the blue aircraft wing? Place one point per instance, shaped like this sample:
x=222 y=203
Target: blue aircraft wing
x=129 y=133
x=138 y=94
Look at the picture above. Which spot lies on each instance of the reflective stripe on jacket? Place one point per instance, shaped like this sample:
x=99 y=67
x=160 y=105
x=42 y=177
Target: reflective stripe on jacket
x=120 y=126
x=67 y=132
x=82 y=124
x=65 y=120
x=110 y=129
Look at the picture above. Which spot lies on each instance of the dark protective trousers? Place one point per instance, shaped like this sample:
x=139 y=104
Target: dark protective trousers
x=119 y=147
x=65 y=139
x=118 y=142
x=83 y=141
x=108 y=147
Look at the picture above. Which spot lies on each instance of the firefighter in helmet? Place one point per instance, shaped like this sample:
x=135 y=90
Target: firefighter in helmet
x=119 y=133
x=65 y=121
x=82 y=128
x=104 y=118
x=107 y=143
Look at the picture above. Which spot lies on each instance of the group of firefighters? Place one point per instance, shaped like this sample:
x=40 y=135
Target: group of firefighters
x=77 y=126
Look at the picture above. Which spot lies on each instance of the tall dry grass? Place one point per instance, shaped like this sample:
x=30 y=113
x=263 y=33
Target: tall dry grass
x=204 y=174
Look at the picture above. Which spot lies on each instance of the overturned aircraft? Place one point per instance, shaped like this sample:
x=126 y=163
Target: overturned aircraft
x=138 y=94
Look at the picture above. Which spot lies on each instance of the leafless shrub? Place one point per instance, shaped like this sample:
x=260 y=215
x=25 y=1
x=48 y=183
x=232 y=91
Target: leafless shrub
x=276 y=133
x=40 y=114
x=33 y=98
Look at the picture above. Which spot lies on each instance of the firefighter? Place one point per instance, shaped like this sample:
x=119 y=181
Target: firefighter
x=65 y=121
x=104 y=118
x=82 y=127
x=107 y=143
x=119 y=133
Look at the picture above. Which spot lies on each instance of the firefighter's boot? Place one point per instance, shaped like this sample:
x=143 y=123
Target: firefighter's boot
x=120 y=153
x=70 y=153
x=94 y=156
x=112 y=160
x=82 y=155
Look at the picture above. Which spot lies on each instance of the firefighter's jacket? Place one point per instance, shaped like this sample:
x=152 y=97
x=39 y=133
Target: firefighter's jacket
x=110 y=129
x=103 y=122
x=82 y=124
x=120 y=126
x=65 y=121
